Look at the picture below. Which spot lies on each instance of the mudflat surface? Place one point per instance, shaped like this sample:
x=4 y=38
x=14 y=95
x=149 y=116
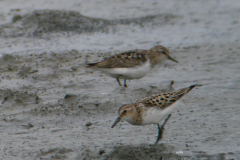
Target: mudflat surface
x=52 y=107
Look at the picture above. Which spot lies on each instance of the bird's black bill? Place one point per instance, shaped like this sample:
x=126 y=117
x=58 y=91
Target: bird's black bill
x=170 y=58
x=116 y=121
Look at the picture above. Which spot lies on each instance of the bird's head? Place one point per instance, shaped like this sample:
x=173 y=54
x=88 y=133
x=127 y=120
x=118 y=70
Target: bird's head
x=162 y=54
x=126 y=112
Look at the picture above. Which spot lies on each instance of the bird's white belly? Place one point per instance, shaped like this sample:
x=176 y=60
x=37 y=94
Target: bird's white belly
x=128 y=73
x=154 y=115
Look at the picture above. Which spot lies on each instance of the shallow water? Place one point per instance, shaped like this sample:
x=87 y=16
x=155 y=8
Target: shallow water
x=52 y=107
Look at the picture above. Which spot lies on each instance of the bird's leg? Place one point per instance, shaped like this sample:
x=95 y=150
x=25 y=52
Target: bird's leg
x=125 y=83
x=117 y=78
x=160 y=129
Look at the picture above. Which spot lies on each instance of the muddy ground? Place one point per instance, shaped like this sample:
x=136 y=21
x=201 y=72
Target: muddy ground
x=52 y=107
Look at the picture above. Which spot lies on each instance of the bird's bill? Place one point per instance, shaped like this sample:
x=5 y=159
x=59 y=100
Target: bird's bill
x=170 y=58
x=116 y=121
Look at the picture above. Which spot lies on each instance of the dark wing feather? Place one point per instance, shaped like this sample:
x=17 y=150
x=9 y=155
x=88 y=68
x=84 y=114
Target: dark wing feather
x=164 y=100
x=123 y=60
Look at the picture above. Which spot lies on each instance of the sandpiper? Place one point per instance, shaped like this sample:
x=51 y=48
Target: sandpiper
x=133 y=64
x=152 y=109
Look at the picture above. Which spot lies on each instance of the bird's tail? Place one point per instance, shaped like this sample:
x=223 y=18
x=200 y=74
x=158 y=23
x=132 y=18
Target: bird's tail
x=181 y=92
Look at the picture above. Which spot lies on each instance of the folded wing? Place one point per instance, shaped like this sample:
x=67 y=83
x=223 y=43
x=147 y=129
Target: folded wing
x=123 y=60
x=162 y=101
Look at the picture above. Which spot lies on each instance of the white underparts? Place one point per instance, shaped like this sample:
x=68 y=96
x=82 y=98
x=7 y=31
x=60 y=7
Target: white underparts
x=128 y=73
x=154 y=115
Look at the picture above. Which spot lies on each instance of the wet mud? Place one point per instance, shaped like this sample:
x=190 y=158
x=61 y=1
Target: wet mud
x=46 y=21
x=52 y=107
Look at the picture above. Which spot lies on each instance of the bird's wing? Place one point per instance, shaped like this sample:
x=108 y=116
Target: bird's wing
x=162 y=101
x=124 y=60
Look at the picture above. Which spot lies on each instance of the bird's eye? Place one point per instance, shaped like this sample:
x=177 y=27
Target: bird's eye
x=163 y=52
x=124 y=111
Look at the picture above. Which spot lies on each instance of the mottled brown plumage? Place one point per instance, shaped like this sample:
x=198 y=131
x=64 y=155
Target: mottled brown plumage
x=152 y=109
x=132 y=64
x=123 y=60
x=161 y=101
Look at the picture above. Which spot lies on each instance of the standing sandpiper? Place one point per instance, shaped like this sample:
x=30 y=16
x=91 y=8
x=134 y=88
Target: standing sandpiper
x=133 y=64
x=152 y=109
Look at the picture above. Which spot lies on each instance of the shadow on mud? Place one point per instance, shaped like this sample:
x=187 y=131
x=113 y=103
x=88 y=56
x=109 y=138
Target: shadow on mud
x=162 y=152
